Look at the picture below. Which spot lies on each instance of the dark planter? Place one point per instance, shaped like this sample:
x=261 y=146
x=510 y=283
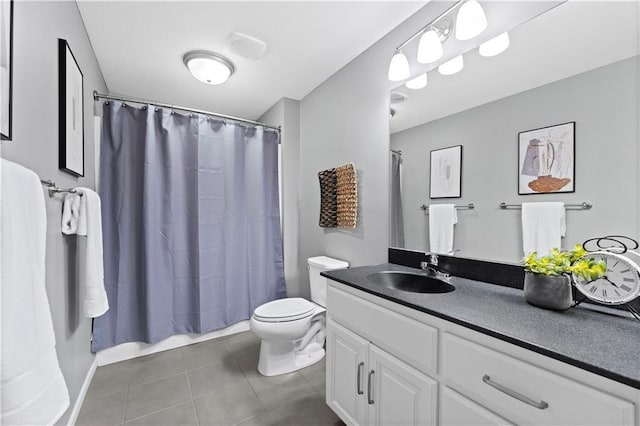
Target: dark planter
x=548 y=291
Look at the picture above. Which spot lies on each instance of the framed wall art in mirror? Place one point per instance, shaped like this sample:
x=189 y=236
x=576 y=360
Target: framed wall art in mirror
x=446 y=172
x=71 y=112
x=546 y=159
x=6 y=68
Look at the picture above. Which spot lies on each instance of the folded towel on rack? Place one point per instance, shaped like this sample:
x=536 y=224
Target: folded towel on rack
x=442 y=218
x=81 y=215
x=32 y=386
x=543 y=226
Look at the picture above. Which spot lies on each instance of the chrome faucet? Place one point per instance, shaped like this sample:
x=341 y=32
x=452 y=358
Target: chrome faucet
x=430 y=266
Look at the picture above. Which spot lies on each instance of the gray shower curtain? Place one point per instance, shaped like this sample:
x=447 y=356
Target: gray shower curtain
x=397 y=221
x=191 y=223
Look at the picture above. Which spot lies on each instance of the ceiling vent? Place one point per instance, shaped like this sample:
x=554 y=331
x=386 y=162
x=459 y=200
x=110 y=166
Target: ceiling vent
x=398 y=98
x=245 y=46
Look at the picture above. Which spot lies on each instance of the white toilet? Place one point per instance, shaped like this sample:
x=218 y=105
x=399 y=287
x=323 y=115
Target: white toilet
x=293 y=329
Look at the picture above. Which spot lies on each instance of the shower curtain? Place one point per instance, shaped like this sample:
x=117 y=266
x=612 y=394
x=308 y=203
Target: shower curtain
x=191 y=223
x=397 y=222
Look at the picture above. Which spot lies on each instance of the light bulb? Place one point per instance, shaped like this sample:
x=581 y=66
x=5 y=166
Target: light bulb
x=452 y=66
x=399 y=67
x=471 y=20
x=417 y=83
x=430 y=47
x=495 y=46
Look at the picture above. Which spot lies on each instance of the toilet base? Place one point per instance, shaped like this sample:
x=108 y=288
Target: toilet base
x=281 y=357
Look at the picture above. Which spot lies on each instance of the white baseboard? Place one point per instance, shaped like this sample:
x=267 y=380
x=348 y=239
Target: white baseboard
x=83 y=392
x=135 y=349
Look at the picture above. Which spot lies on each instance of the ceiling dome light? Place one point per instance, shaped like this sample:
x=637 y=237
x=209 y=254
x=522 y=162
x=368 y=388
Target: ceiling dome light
x=495 y=46
x=452 y=66
x=399 y=67
x=208 y=67
x=471 y=20
x=417 y=83
x=430 y=47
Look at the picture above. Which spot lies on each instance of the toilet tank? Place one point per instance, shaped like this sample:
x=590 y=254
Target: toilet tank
x=319 y=283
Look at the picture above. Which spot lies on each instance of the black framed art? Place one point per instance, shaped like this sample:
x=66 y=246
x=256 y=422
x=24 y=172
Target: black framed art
x=6 y=68
x=71 y=112
x=446 y=172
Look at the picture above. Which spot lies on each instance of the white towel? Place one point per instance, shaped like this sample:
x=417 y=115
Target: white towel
x=543 y=226
x=81 y=215
x=31 y=383
x=442 y=218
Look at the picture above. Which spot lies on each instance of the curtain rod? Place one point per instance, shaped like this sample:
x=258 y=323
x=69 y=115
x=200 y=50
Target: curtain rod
x=97 y=96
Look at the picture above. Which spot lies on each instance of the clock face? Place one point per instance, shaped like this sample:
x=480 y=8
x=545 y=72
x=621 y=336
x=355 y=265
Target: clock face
x=621 y=283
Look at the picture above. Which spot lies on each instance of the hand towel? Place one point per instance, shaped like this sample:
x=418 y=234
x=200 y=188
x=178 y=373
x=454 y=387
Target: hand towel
x=81 y=215
x=543 y=226
x=442 y=218
x=32 y=386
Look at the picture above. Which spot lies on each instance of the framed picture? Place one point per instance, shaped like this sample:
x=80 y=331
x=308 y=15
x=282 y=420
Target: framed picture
x=546 y=159
x=6 y=68
x=71 y=112
x=446 y=173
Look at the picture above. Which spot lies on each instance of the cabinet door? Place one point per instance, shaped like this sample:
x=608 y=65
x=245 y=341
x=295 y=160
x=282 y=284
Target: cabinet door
x=346 y=363
x=398 y=394
x=458 y=410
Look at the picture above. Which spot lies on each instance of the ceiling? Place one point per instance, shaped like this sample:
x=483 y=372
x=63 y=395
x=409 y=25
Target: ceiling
x=139 y=46
x=572 y=38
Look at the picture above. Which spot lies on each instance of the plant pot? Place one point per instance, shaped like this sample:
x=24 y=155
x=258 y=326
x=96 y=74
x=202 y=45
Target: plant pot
x=548 y=291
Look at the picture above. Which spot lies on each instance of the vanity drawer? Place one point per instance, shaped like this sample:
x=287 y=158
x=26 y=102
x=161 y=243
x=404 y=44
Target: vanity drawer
x=488 y=377
x=410 y=340
x=455 y=410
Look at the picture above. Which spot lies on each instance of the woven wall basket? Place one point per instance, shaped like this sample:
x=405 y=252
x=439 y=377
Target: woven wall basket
x=328 y=200
x=338 y=197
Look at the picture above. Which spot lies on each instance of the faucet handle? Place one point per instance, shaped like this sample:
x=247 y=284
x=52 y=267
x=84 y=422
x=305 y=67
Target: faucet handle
x=432 y=259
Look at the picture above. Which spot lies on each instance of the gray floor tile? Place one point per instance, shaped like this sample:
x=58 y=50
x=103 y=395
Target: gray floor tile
x=105 y=410
x=109 y=379
x=316 y=375
x=204 y=353
x=228 y=406
x=242 y=344
x=183 y=414
x=249 y=364
x=214 y=377
x=279 y=389
x=156 y=366
x=306 y=410
x=154 y=396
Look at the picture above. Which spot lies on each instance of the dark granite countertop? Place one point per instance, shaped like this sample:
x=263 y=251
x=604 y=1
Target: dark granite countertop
x=598 y=339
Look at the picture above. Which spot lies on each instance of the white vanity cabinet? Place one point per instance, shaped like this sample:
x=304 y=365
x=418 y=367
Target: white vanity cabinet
x=388 y=364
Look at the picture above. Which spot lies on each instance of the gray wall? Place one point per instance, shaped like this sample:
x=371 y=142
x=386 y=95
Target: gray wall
x=604 y=105
x=286 y=113
x=37 y=27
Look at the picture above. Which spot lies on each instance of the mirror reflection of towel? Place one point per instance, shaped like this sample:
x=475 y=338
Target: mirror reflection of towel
x=442 y=218
x=543 y=226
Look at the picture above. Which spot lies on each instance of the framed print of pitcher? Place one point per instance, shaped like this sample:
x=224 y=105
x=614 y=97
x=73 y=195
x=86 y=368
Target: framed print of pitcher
x=546 y=159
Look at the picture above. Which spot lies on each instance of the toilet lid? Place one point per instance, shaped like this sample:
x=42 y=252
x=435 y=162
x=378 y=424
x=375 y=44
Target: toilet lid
x=289 y=309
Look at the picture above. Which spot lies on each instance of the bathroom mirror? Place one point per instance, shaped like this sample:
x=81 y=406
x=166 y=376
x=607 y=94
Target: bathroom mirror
x=566 y=62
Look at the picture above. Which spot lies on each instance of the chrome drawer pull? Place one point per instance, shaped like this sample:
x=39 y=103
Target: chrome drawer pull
x=359 y=389
x=540 y=405
x=370 y=400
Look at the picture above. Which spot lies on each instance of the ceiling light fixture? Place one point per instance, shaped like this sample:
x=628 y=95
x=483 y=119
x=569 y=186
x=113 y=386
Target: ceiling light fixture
x=495 y=46
x=471 y=20
x=452 y=66
x=417 y=83
x=208 y=67
x=399 y=67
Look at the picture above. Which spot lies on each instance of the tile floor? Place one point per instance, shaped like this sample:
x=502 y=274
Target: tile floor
x=209 y=383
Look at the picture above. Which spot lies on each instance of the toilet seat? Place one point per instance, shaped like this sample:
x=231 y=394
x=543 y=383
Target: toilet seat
x=284 y=310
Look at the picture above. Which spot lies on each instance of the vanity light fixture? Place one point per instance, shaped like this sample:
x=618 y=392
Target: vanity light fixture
x=208 y=67
x=417 y=83
x=495 y=46
x=399 y=67
x=471 y=20
x=452 y=66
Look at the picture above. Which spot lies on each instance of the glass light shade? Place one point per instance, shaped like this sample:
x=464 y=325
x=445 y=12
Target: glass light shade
x=399 y=67
x=471 y=20
x=452 y=66
x=495 y=46
x=429 y=48
x=208 y=67
x=417 y=83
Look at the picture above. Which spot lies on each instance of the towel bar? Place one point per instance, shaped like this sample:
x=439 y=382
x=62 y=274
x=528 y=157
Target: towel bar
x=53 y=189
x=585 y=205
x=469 y=206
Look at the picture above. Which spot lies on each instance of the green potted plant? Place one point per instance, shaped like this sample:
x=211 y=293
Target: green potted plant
x=547 y=280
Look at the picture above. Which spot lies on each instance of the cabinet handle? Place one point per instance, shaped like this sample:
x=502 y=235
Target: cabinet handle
x=359 y=389
x=540 y=405
x=370 y=400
